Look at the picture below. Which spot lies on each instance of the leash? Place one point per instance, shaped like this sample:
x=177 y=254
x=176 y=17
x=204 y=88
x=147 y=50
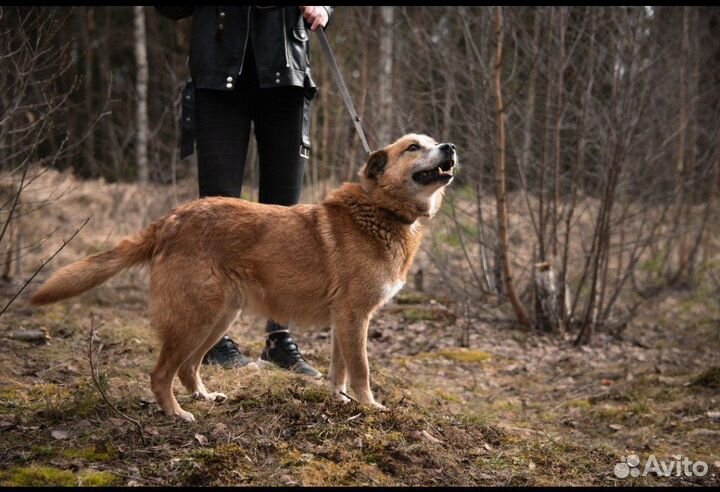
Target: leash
x=342 y=87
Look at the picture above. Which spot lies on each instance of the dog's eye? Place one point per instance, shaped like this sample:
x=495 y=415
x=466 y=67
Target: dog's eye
x=413 y=148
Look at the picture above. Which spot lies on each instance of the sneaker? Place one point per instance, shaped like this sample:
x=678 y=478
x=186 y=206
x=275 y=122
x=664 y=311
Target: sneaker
x=226 y=353
x=281 y=350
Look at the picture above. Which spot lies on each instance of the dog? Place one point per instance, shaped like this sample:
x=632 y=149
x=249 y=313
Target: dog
x=333 y=263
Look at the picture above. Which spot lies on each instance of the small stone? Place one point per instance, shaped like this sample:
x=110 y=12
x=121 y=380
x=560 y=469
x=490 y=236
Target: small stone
x=83 y=424
x=201 y=439
x=58 y=434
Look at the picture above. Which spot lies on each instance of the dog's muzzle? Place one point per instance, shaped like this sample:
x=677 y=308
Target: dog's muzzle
x=441 y=173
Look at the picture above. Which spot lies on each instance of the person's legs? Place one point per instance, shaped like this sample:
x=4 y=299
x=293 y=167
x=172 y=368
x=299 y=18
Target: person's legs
x=278 y=129
x=222 y=133
x=222 y=129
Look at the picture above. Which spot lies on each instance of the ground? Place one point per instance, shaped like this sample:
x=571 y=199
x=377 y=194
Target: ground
x=512 y=408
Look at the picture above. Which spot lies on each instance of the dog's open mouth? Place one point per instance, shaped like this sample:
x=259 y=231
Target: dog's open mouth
x=441 y=173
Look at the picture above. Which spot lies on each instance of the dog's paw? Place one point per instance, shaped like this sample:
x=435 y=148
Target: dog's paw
x=185 y=416
x=340 y=397
x=378 y=406
x=217 y=397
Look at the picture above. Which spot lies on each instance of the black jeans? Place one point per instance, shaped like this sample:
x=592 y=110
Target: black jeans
x=222 y=132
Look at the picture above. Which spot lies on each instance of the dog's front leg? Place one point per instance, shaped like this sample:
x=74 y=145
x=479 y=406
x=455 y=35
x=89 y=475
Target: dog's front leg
x=351 y=330
x=338 y=371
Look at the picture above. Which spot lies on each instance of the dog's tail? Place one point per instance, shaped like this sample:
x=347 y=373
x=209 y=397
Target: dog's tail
x=91 y=271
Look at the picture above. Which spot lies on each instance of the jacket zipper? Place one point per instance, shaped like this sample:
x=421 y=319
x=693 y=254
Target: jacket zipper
x=247 y=36
x=287 y=60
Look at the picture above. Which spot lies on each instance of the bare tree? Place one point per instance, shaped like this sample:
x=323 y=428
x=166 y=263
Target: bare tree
x=500 y=189
x=142 y=88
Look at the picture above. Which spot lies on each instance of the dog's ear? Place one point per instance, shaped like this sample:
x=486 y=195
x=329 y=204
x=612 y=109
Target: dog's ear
x=376 y=164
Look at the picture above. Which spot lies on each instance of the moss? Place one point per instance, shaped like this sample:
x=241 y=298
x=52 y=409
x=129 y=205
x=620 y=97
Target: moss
x=314 y=394
x=226 y=464
x=91 y=478
x=449 y=396
x=44 y=451
x=474 y=419
x=708 y=379
x=411 y=298
x=582 y=403
x=37 y=476
x=464 y=355
x=90 y=454
x=421 y=314
x=319 y=472
x=505 y=405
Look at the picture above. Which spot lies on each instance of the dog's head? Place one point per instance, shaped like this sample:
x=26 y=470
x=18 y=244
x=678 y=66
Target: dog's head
x=409 y=176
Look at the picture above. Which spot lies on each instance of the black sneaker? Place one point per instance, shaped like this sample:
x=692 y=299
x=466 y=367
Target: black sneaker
x=281 y=350
x=226 y=354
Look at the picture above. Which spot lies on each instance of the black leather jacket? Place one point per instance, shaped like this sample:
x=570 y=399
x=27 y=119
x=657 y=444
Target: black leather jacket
x=219 y=39
x=220 y=35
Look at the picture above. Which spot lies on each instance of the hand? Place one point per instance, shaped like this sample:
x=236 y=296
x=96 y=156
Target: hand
x=315 y=15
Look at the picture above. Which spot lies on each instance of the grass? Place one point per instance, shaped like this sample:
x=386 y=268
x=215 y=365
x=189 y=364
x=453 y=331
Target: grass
x=708 y=379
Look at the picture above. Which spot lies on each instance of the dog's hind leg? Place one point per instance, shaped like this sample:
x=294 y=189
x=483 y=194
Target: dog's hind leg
x=337 y=373
x=186 y=305
x=161 y=380
x=189 y=372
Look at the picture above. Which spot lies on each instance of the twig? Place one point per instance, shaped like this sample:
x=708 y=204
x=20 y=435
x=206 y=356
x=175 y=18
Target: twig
x=133 y=477
x=348 y=396
x=65 y=243
x=93 y=372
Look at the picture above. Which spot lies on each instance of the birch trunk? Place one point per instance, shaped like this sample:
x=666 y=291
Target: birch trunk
x=141 y=87
x=385 y=95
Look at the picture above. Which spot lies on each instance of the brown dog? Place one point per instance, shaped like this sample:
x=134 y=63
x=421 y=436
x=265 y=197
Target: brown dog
x=332 y=263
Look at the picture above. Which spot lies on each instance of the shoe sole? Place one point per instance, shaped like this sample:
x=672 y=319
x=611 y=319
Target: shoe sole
x=268 y=364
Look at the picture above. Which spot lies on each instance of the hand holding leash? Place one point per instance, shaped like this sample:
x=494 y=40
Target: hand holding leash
x=315 y=15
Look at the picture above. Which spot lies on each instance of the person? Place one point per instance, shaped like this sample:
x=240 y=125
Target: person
x=250 y=65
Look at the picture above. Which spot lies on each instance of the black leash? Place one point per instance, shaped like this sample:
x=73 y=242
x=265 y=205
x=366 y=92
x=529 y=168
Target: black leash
x=341 y=86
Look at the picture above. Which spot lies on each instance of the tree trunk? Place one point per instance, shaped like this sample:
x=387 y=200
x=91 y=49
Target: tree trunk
x=681 y=167
x=141 y=86
x=385 y=95
x=545 y=288
x=529 y=113
x=88 y=28
x=500 y=174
